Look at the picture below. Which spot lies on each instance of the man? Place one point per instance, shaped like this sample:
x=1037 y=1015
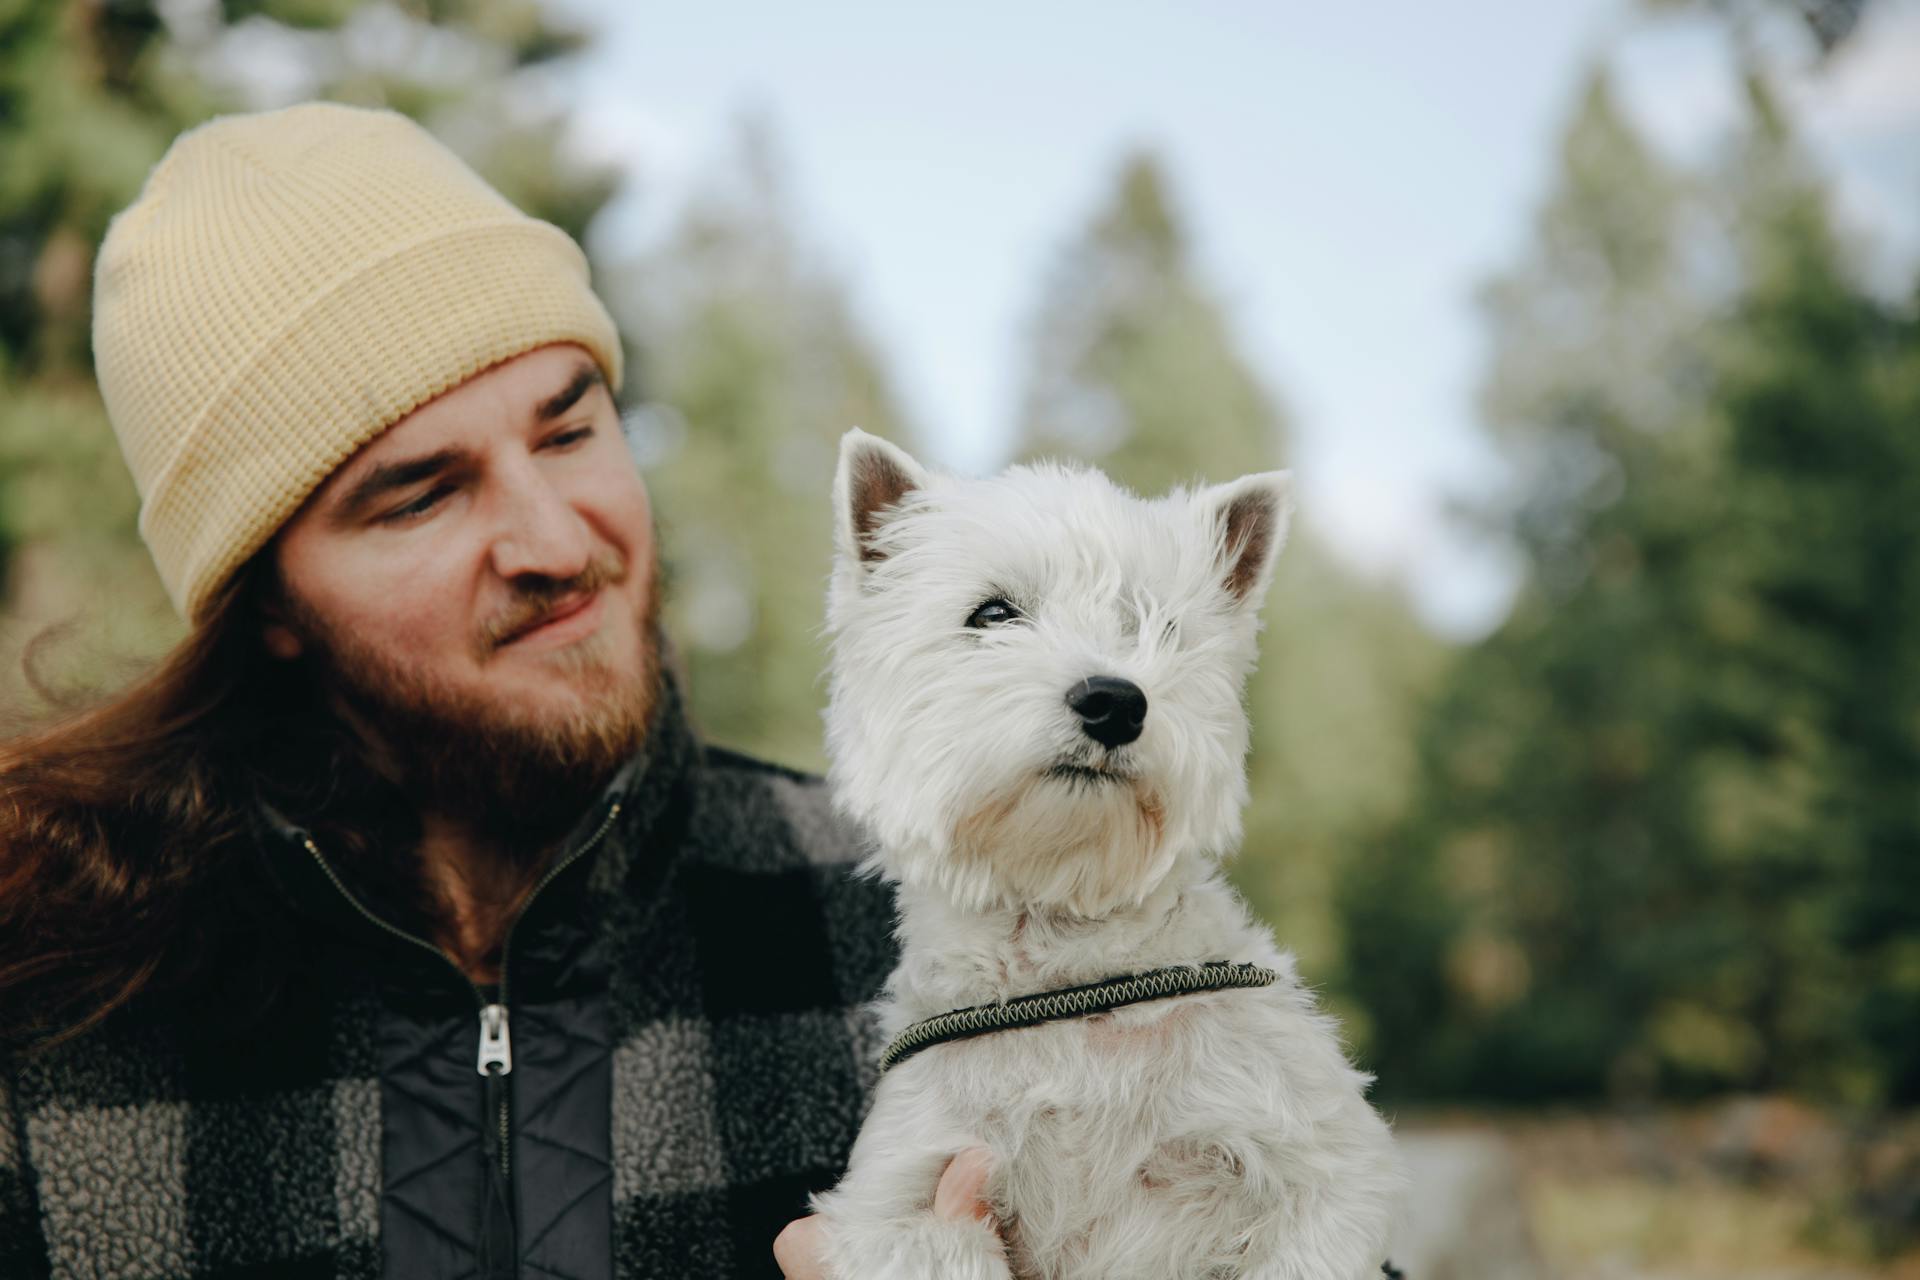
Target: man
x=397 y=924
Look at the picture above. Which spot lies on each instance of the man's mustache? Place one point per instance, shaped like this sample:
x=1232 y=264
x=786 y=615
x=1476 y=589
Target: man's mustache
x=532 y=603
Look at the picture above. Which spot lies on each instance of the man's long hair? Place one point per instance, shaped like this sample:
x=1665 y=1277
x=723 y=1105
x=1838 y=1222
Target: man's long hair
x=127 y=858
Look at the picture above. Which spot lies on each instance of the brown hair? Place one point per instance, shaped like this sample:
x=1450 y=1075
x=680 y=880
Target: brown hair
x=126 y=826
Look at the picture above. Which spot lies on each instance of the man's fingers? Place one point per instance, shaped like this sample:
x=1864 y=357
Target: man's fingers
x=962 y=1190
x=961 y=1195
x=798 y=1248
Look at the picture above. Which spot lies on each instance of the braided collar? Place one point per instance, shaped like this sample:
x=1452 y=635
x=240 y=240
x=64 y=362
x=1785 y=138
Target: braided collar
x=1071 y=1002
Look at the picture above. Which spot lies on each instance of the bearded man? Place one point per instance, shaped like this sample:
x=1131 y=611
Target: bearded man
x=396 y=923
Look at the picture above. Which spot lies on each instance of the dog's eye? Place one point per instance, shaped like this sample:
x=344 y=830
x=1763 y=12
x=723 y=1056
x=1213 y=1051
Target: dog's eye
x=992 y=614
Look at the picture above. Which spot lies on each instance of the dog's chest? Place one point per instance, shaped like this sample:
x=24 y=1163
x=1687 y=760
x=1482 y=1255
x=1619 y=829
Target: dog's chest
x=1129 y=1124
x=1122 y=1129
x=1134 y=1069
x=1116 y=1062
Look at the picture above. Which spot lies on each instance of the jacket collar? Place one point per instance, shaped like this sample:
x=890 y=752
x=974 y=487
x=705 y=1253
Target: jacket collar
x=622 y=843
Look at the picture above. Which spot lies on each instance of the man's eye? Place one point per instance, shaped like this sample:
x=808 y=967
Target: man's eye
x=418 y=507
x=574 y=436
x=992 y=614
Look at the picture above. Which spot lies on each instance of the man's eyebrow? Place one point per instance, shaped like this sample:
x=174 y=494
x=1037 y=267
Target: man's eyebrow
x=587 y=375
x=385 y=477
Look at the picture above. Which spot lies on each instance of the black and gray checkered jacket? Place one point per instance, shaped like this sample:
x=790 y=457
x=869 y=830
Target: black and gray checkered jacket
x=686 y=1050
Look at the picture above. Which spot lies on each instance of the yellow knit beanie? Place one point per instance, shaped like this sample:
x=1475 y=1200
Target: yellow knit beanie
x=289 y=284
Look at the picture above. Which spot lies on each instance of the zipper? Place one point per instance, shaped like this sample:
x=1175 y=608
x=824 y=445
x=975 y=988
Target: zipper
x=496 y=1047
x=506 y=943
x=495 y=1060
x=496 y=1253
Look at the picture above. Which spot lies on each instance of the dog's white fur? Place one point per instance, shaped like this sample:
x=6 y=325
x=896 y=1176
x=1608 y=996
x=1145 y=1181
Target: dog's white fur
x=1204 y=1136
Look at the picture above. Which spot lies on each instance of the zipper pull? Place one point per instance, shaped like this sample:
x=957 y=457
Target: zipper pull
x=496 y=1050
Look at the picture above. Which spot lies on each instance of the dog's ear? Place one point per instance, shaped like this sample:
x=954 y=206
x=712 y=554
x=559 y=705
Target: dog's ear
x=873 y=476
x=1250 y=517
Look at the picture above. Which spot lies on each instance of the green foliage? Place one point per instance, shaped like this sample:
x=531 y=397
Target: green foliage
x=1132 y=363
x=310 y=15
x=87 y=104
x=753 y=368
x=1665 y=831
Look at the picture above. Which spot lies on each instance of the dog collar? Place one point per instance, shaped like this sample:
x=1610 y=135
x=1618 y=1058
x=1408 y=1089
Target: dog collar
x=1071 y=1002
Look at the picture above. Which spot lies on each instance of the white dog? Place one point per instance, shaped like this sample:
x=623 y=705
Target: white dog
x=1037 y=711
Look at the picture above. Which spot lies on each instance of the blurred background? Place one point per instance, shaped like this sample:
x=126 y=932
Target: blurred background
x=1587 y=733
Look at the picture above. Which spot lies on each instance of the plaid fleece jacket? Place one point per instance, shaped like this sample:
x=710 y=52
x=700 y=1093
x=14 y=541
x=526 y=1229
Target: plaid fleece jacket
x=690 y=1058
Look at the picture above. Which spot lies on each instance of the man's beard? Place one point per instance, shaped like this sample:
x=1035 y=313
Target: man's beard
x=518 y=780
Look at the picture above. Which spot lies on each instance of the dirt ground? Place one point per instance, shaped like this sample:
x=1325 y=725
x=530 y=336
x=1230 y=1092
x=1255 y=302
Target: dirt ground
x=1760 y=1188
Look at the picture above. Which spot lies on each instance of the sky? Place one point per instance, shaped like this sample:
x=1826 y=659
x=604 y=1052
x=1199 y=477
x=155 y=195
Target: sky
x=1348 y=174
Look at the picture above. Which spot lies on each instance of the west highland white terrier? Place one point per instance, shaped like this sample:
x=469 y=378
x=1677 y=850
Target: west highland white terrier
x=1037 y=713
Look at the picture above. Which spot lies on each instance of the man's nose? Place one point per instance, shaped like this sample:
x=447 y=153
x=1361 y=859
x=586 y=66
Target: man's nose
x=538 y=530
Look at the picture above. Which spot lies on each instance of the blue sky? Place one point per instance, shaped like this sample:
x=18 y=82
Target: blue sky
x=1348 y=172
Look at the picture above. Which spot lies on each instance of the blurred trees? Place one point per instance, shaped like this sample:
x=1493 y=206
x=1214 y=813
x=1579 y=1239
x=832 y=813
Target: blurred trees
x=1134 y=368
x=1666 y=832
x=91 y=94
x=86 y=107
x=1828 y=23
x=754 y=367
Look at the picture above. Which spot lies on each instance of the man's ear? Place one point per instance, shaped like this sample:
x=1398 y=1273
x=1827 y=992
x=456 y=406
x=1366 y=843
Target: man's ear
x=281 y=640
x=277 y=634
x=1249 y=518
x=873 y=477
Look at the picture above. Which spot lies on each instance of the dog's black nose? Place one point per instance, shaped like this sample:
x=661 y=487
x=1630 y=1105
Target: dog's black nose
x=1111 y=710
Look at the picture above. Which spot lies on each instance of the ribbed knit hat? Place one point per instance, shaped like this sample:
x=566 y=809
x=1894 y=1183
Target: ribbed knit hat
x=289 y=284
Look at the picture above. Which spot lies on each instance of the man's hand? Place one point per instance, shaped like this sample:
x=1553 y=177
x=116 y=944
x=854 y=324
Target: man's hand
x=958 y=1197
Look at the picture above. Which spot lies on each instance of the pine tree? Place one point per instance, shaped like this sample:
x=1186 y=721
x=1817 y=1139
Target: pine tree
x=755 y=366
x=1819 y=405
x=1648 y=803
